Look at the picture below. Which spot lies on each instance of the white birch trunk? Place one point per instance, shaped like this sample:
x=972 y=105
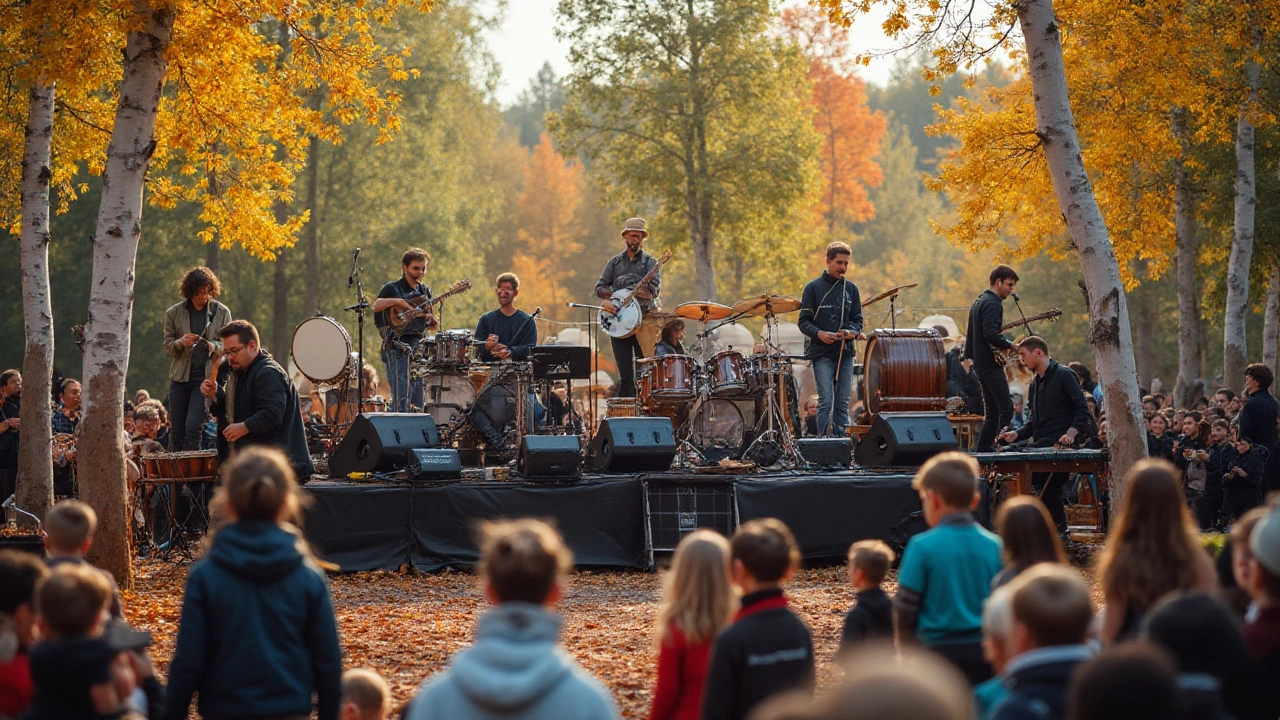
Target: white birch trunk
x=1185 y=260
x=1271 y=322
x=35 y=463
x=1234 y=351
x=106 y=353
x=1110 y=332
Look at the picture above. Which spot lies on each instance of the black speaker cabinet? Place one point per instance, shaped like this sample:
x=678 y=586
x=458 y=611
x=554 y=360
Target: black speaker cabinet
x=905 y=439
x=382 y=442
x=827 y=451
x=550 y=456
x=435 y=464
x=633 y=444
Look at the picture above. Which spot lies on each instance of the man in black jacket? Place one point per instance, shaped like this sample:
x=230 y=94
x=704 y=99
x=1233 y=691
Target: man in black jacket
x=258 y=405
x=986 y=316
x=831 y=319
x=1258 y=421
x=1058 y=415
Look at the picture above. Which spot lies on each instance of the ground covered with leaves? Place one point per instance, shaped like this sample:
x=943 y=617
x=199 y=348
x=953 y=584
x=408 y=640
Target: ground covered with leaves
x=408 y=626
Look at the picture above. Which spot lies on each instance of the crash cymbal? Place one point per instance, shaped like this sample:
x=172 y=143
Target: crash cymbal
x=702 y=310
x=761 y=305
x=887 y=293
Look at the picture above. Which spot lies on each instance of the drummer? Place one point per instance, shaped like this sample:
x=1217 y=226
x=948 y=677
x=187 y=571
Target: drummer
x=507 y=333
x=672 y=342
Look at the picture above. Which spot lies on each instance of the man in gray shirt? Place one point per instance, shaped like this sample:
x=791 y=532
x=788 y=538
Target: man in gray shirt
x=623 y=272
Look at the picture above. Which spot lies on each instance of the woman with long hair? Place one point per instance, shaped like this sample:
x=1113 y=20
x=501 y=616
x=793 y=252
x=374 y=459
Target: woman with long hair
x=1029 y=537
x=1154 y=549
x=697 y=602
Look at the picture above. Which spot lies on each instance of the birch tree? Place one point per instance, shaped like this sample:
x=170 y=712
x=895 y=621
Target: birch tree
x=1234 y=349
x=1185 y=260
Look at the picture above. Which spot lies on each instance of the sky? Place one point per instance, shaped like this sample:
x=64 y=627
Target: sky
x=526 y=39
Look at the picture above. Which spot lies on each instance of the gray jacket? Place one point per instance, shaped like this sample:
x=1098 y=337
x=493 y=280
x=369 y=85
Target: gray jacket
x=516 y=669
x=177 y=323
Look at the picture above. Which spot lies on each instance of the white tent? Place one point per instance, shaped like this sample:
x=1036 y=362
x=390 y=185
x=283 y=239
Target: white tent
x=733 y=336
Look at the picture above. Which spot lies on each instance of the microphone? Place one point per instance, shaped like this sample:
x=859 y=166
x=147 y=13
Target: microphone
x=1015 y=297
x=351 y=279
x=535 y=312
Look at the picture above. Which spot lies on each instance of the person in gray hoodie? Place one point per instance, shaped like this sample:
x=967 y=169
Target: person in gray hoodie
x=516 y=668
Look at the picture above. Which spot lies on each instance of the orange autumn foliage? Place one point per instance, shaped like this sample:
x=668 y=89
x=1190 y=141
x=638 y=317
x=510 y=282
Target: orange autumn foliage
x=549 y=234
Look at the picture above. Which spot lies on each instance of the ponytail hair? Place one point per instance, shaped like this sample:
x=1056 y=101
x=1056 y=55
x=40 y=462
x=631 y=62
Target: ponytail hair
x=259 y=484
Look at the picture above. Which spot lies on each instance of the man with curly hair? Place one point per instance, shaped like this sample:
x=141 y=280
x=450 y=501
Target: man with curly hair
x=191 y=340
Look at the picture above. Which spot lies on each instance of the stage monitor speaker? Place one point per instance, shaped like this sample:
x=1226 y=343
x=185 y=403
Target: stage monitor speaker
x=905 y=439
x=435 y=464
x=550 y=456
x=382 y=442
x=827 y=451
x=633 y=444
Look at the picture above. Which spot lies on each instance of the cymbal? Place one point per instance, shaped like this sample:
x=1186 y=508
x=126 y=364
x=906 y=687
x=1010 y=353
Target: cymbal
x=887 y=293
x=701 y=310
x=761 y=305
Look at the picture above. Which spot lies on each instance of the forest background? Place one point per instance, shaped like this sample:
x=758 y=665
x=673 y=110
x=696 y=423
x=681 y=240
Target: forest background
x=486 y=189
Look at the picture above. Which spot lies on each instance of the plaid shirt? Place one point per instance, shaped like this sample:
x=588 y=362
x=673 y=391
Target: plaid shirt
x=64 y=424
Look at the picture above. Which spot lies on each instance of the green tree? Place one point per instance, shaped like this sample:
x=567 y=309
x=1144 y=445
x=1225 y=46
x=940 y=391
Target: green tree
x=528 y=116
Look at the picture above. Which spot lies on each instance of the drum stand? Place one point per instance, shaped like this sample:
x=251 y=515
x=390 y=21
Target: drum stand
x=687 y=453
x=772 y=433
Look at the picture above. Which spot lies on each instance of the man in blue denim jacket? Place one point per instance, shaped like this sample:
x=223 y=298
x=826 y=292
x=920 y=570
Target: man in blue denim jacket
x=831 y=319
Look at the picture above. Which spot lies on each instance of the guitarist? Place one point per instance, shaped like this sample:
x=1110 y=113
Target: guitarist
x=623 y=272
x=397 y=345
x=982 y=337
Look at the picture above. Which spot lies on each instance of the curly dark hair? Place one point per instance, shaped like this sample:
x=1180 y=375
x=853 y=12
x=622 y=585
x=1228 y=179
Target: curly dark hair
x=198 y=278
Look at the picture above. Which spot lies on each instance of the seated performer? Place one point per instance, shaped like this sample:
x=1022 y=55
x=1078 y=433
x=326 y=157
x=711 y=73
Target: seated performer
x=1058 y=415
x=507 y=333
x=672 y=342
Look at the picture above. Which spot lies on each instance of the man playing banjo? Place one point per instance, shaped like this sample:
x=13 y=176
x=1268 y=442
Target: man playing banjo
x=624 y=272
x=401 y=296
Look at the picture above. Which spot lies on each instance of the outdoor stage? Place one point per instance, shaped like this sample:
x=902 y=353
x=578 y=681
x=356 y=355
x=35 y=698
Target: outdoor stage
x=609 y=521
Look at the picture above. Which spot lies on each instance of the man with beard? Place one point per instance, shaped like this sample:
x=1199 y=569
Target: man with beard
x=66 y=418
x=831 y=319
x=508 y=334
x=398 y=344
x=623 y=272
x=258 y=405
x=10 y=412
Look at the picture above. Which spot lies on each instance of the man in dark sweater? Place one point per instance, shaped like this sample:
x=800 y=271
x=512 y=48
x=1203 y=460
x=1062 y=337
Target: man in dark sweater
x=1258 y=420
x=398 y=344
x=872 y=618
x=507 y=333
x=767 y=649
x=258 y=405
x=1058 y=414
x=986 y=316
x=831 y=319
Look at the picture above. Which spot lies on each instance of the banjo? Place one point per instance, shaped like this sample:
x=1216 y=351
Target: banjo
x=625 y=320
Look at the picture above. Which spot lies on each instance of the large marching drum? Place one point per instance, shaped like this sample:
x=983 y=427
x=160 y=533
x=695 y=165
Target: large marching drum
x=905 y=370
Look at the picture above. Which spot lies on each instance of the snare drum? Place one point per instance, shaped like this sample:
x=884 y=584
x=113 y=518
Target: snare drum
x=670 y=379
x=453 y=348
x=728 y=376
x=321 y=350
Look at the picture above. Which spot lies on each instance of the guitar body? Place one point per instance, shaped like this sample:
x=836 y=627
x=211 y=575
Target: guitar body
x=398 y=319
x=626 y=321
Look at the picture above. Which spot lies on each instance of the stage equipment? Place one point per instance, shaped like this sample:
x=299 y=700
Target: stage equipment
x=382 y=442
x=428 y=464
x=905 y=439
x=550 y=456
x=905 y=370
x=632 y=445
x=827 y=452
x=321 y=351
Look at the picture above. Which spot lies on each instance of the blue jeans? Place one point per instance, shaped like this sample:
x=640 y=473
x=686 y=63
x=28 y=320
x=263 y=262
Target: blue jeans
x=833 y=393
x=406 y=392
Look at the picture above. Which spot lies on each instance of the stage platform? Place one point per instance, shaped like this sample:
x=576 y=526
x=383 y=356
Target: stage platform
x=609 y=521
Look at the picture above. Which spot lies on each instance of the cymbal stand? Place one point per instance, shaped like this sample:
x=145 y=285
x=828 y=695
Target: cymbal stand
x=893 y=313
x=771 y=428
x=687 y=453
x=360 y=307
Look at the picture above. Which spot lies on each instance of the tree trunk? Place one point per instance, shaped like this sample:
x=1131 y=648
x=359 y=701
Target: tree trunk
x=1110 y=333
x=311 y=297
x=1271 y=323
x=1185 y=260
x=115 y=249
x=35 y=463
x=281 y=330
x=1234 y=351
x=1145 y=348
x=211 y=256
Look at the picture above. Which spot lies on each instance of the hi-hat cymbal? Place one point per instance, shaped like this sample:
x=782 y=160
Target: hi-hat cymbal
x=702 y=310
x=761 y=305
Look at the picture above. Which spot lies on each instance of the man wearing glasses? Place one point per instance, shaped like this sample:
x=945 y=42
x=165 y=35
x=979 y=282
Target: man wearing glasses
x=258 y=405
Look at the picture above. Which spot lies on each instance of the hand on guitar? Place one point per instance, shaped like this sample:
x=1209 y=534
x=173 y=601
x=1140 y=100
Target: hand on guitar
x=609 y=307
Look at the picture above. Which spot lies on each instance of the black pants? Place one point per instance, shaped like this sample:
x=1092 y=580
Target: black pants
x=997 y=406
x=625 y=352
x=1209 y=509
x=1049 y=486
x=967 y=657
x=187 y=413
x=8 y=482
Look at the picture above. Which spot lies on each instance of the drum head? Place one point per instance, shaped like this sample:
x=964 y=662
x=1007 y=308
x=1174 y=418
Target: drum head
x=718 y=430
x=448 y=397
x=321 y=350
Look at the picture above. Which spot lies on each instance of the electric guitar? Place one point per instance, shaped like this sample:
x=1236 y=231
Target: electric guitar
x=1002 y=355
x=397 y=319
x=625 y=319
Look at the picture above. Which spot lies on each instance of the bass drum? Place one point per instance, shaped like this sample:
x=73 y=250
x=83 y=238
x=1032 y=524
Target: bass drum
x=321 y=350
x=717 y=430
x=448 y=396
x=905 y=370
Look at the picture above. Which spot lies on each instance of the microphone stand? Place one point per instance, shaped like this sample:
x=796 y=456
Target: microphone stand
x=359 y=308
x=1018 y=305
x=591 y=377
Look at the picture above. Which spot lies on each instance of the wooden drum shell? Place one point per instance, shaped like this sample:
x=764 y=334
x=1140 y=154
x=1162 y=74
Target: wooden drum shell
x=905 y=370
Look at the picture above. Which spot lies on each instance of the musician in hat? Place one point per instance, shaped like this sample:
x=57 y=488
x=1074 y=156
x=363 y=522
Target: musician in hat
x=624 y=271
x=400 y=340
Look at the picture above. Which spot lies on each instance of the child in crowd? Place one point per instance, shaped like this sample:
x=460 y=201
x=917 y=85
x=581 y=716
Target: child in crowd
x=257 y=634
x=1204 y=640
x=516 y=668
x=997 y=631
x=697 y=603
x=1131 y=681
x=1242 y=481
x=1028 y=536
x=1052 y=613
x=872 y=617
x=68 y=534
x=1262 y=632
x=82 y=667
x=768 y=648
x=20 y=572
x=365 y=695
x=1154 y=549
x=947 y=571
